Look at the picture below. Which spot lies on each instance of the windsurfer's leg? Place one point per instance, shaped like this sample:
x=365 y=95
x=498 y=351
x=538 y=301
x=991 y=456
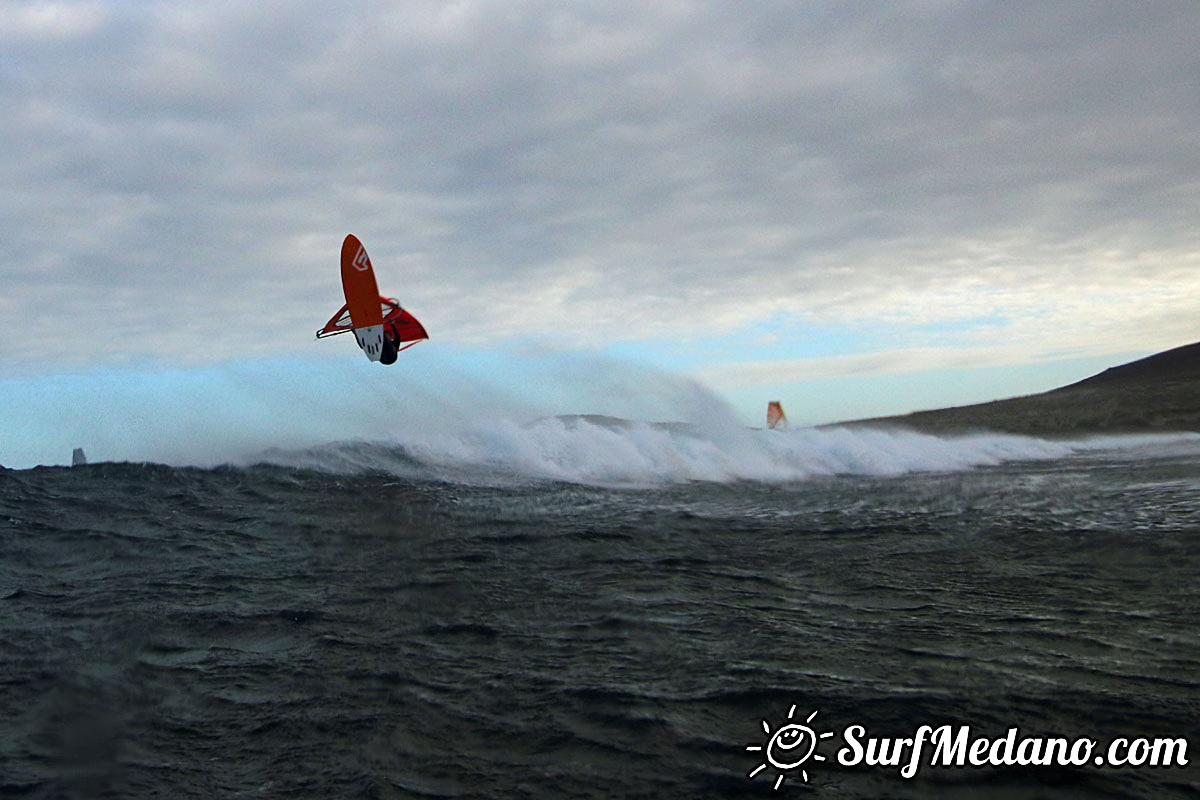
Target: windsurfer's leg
x=388 y=354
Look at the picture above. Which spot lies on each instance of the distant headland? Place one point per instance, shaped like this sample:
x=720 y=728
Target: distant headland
x=1157 y=394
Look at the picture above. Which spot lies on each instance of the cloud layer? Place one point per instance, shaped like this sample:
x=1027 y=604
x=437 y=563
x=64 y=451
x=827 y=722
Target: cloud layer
x=180 y=175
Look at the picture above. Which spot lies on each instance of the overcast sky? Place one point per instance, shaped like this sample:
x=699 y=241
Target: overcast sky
x=772 y=197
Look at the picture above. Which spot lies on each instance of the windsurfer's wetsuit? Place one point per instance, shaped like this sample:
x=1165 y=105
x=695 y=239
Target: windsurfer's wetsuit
x=391 y=345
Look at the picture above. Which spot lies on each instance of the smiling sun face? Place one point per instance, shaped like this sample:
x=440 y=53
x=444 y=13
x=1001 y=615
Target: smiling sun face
x=788 y=748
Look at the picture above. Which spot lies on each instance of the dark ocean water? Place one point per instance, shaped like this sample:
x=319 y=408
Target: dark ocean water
x=352 y=622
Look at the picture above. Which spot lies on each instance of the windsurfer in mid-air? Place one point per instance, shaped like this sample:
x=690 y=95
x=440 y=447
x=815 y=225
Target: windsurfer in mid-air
x=381 y=327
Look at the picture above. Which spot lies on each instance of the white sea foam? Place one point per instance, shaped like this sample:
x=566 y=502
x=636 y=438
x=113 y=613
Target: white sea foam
x=612 y=452
x=642 y=453
x=468 y=416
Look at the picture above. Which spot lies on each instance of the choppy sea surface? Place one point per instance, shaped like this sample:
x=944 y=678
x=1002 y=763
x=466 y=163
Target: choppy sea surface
x=589 y=608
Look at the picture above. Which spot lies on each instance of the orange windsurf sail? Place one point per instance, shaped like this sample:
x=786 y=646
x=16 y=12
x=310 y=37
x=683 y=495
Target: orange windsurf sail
x=775 y=415
x=397 y=322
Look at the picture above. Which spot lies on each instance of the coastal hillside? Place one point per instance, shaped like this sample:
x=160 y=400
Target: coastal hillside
x=1160 y=393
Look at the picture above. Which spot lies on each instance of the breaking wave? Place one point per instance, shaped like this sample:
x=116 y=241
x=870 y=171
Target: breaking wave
x=606 y=451
x=470 y=416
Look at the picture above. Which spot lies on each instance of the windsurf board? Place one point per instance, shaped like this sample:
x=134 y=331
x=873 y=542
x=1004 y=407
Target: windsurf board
x=362 y=297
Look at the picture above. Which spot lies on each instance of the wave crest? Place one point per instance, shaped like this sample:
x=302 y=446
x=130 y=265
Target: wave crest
x=606 y=451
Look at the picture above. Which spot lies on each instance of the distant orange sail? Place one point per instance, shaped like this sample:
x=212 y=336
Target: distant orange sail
x=775 y=415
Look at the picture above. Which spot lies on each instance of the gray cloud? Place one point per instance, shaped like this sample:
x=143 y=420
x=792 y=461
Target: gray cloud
x=180 y=175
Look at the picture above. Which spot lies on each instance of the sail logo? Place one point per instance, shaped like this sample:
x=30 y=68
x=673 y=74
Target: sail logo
x=361 y=262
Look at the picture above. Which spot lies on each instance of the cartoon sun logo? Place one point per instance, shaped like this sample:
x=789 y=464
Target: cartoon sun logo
x=788 y=748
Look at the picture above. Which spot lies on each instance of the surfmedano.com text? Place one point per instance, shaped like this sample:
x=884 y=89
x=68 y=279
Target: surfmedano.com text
x=954 y=746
